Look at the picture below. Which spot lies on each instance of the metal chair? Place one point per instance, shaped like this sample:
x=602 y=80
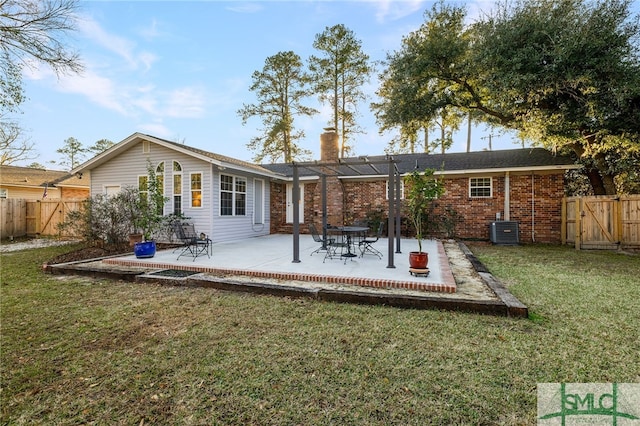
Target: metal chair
x=366 y=244
x=337 y=246
x=193 y=244
x=318 y=239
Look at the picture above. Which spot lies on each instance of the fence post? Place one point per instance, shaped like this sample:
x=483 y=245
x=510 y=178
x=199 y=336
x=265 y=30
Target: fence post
x=617 y=220
x=563 y=223
x=578 y=223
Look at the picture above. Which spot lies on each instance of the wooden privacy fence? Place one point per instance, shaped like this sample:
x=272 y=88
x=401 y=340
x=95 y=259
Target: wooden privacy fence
x=601 y=222
x=32 y=218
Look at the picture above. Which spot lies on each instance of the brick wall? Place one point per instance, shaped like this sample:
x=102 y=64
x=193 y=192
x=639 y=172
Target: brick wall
x=357 y=198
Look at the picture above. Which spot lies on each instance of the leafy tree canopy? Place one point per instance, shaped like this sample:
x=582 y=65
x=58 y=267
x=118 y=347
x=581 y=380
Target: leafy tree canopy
x=339 y=73
x=73 y=152
x=280 y=88
x=564 y=73
x=100 y=146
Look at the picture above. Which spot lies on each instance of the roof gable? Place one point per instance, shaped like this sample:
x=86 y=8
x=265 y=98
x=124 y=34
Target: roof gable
x=201 y=154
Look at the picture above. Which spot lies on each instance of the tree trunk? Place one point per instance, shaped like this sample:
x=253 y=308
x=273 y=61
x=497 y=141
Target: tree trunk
x=602 y=182
x=596 y=182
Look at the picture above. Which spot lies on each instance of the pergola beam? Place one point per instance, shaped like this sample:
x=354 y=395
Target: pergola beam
x=393 y=225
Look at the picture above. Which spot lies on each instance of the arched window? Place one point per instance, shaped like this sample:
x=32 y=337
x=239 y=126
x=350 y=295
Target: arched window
x=177 y=188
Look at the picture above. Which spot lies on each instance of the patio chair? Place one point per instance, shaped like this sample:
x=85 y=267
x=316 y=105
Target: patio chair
x=337 y=246
x=193 y=244
x=366 y=244
x=318 y=239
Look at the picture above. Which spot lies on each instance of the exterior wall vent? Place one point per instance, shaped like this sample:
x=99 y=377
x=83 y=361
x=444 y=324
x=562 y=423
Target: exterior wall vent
x=504 y=232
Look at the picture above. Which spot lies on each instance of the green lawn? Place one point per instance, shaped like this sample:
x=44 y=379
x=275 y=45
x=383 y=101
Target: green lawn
x=80 y=351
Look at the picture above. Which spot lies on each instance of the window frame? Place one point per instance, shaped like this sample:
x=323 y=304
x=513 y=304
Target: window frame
x=176 y=196
x=386 y=189
x=235 y=199
x=474 y=185
x=192 y=191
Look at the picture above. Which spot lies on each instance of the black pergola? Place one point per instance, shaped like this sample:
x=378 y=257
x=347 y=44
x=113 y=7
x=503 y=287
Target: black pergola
x=356 y=167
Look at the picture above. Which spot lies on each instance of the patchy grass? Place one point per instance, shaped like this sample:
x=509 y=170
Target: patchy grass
x=76 y=350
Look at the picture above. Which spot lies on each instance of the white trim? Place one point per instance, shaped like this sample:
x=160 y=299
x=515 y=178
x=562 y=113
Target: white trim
x=108 y=192
x=125 y=144
x=258 y=203
x=191 y=206
x=233 y=191
x=174 y=194
x=386 y=189
x=289 y=203
x=507 y=197
x=481 y=187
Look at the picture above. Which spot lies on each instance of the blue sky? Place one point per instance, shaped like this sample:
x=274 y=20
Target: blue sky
x=181 y=70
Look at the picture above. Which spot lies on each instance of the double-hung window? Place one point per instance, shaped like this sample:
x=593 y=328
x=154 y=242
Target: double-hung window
x=177 y=188
x=233 y=196
x=386 y=190
x=480 y=187
x=196 y=189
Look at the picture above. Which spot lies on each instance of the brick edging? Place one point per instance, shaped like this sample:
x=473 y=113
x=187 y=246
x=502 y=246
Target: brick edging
x=447 y=287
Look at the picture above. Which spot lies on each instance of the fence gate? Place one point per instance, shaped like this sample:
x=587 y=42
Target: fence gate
x=601 y=222
x=43 y=216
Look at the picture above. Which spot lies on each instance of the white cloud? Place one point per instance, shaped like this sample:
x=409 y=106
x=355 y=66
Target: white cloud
x=391 y=10
x=246 y=8
x=186 y=102
x=156 y=129
x=124 y=48
x=99 y=90
x=151 y=31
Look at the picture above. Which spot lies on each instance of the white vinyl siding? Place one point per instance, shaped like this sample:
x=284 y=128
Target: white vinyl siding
x=124 y=170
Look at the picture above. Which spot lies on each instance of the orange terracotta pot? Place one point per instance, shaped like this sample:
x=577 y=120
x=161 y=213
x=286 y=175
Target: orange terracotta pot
x=418 y=260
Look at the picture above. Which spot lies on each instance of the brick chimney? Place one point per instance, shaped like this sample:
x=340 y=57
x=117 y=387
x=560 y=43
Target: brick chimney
x=329 y=153
x=329 y=147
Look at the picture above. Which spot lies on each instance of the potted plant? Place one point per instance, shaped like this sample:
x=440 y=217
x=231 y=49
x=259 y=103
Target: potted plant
x=420 y=191
x=149 y=217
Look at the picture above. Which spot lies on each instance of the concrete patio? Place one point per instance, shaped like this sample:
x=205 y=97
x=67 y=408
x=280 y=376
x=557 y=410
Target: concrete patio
x=272 y=256
x=264 y=265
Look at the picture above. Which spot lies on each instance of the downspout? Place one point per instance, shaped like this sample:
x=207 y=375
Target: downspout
x=533 y=207
x=507 y=200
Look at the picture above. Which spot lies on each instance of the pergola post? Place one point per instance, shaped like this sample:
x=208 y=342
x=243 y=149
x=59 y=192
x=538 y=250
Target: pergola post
x=295 y=194
x=390 y=224
x=323 y=180
x=398 y=201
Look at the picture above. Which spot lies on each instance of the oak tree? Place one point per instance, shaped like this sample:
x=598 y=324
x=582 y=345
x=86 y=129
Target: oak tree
x=563 y=73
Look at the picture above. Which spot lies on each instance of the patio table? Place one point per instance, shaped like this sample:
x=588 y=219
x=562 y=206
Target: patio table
x=349 y=232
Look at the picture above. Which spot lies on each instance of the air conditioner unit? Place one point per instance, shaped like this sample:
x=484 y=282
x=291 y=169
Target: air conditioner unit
x=504 y=232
